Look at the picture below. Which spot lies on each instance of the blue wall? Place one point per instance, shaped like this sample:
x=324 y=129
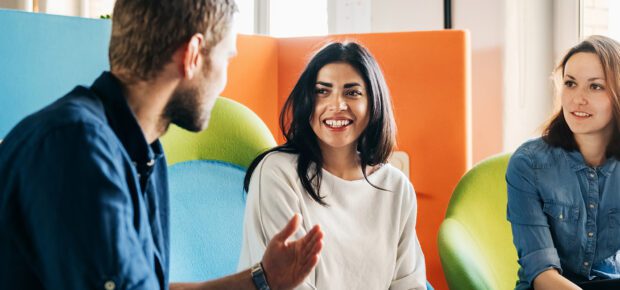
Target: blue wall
x=42 y=57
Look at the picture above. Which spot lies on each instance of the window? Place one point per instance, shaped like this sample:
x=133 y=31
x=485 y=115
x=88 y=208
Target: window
x=98 y=8
x=279 y=18
x=245 y=19
x=601 y=17
x=83 y=8
x=291 y=18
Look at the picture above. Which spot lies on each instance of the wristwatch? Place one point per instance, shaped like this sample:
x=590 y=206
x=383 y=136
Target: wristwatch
x=258 y=277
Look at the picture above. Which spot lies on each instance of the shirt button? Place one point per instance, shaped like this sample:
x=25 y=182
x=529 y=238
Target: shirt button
x=591 y=175
x=591 y=205
x=150 y=163
x=561 y=216
x=586 y=263
x=590 y=234
x=109 y=285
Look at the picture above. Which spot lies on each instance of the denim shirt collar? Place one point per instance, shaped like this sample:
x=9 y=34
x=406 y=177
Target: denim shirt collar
x=577 y=162
x=124 y=123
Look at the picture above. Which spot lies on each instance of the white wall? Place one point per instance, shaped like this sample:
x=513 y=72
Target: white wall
x=538 y=33
x=485 y=21
x=362 y=16
x=349 y=16
x=406 y=15
x=528 y=94
x=566 y=26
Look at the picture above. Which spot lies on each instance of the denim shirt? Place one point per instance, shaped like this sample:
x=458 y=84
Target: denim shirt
x=564 y=213
x=83 y=197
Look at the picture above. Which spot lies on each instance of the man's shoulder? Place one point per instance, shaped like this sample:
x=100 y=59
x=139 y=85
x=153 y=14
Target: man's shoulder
x=80 y=107
x=78 y=111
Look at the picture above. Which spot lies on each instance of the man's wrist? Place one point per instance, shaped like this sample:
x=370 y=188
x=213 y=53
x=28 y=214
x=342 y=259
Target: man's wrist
x=258 y=277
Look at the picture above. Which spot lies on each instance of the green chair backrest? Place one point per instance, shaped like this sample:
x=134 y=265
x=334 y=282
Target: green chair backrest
x=475 y=239
x=235 y=135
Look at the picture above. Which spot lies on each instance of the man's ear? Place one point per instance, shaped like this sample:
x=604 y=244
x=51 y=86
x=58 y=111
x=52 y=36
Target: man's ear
x=192 y=56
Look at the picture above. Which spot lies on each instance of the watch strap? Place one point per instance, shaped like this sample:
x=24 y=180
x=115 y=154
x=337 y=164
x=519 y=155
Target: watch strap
x=258 y=277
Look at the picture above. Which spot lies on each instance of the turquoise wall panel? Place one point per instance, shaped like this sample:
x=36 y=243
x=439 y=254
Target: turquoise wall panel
x=42 y=57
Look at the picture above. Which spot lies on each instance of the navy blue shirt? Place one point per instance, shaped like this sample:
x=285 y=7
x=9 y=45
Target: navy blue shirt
x=83 y=197
x=564 y=213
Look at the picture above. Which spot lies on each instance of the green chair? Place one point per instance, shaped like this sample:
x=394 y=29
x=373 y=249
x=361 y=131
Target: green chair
x=475 y=239
x=207 y=201
x=235 y=135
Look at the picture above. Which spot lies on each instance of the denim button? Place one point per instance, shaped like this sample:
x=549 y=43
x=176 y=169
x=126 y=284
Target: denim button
x=109 y=285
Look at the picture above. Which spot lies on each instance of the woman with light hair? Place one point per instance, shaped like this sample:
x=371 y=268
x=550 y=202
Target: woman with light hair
x=564 y=188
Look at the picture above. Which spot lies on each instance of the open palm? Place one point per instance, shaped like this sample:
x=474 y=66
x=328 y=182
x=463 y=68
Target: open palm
x=287 y=263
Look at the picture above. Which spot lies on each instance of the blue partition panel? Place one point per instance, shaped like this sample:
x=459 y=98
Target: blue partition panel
x=42 y=57
x=207 y=205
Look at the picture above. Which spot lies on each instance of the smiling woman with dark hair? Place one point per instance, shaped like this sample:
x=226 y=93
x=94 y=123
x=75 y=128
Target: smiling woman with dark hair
x=332 y=169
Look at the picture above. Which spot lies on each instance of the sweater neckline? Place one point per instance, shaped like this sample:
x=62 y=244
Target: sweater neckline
x=374 y=173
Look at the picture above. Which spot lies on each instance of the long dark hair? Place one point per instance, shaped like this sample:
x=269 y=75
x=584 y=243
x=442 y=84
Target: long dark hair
x=557 y=133
x=374 y=145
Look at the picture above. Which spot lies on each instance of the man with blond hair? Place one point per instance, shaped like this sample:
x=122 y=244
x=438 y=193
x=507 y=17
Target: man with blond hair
x=83 y=191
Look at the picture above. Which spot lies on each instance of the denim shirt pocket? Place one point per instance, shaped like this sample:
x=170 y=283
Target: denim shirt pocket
x=563 y=223
x=613 y=240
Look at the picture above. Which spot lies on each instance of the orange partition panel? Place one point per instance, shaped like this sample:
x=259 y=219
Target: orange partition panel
x=428 y=76
x=253 y=78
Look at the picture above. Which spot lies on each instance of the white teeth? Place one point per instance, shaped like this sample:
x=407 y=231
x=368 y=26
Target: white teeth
x=337 y=123
x=581 y=114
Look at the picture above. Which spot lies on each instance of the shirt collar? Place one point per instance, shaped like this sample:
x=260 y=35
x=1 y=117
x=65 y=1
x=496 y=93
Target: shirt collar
x=609 y=166
x=577 y=162
x=124 y=123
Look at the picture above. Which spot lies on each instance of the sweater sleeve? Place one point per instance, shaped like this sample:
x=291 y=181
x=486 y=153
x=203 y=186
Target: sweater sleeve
x=410 y=270
x=273 y=199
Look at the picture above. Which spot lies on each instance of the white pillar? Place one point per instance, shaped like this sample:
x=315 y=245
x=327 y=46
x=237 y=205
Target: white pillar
x=528 y=94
